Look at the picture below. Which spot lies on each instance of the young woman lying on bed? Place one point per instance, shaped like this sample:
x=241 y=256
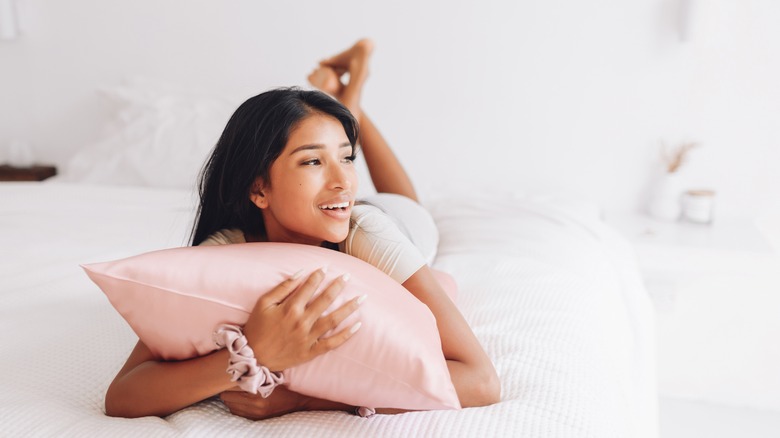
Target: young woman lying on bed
x=283 y=171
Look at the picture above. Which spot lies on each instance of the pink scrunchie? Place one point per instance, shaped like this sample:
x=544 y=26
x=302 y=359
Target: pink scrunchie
x=362 y=411
x=243 y=367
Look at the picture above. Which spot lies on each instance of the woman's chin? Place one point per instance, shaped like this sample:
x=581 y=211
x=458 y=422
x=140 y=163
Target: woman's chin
x=338 y=237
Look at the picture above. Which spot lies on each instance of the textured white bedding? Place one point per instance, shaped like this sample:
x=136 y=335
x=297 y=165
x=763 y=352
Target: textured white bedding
x=551 y=292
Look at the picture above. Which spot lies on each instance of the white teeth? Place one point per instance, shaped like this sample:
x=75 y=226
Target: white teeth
x=332 y=206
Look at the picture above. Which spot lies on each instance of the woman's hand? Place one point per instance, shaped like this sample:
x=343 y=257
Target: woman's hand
x=285 y=329
x=282 y=401
x=254 y=407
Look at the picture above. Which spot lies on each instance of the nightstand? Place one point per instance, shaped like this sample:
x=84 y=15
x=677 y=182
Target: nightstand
x=716 y=290
x=33 y=173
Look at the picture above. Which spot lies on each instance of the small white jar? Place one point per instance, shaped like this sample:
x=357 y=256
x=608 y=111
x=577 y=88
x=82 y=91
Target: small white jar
x=698 y=206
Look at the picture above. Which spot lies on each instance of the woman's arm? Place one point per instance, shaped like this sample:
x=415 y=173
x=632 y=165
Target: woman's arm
x=471 y=370
x=377 y=240
x=145 y=386
x=284 y=330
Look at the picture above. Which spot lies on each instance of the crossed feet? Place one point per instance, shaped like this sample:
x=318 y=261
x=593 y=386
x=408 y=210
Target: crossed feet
x=331 y=72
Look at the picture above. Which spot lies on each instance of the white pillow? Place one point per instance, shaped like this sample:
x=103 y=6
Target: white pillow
x=160 y=137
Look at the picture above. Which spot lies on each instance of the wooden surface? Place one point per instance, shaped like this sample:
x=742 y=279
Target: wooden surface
x=34 y=173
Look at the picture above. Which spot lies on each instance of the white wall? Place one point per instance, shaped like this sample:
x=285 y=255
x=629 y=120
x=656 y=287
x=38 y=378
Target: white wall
x=531 y=93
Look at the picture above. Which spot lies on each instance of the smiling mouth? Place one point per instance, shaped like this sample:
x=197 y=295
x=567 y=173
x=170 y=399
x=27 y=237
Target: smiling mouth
x=342 y=206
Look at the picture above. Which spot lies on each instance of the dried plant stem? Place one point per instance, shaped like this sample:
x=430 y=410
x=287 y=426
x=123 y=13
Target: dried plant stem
x=675 y=157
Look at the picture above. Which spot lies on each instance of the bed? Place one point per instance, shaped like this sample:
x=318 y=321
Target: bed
x=552 y=293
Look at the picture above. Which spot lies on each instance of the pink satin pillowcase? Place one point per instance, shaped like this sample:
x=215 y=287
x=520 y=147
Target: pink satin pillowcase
x=174 y=299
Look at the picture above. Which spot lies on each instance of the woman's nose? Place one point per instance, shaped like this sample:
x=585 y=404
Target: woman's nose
x=339 y=177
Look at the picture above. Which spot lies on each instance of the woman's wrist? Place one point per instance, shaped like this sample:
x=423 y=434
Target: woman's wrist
x=243 y=367
x=260 y=353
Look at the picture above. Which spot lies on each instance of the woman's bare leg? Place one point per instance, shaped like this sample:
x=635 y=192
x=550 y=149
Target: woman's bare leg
x=386 y=171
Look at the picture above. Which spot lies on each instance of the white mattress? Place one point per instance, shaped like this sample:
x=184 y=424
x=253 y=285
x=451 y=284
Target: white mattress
x=551 y=292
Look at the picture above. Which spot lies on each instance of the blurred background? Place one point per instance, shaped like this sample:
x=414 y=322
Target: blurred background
x=530 y=95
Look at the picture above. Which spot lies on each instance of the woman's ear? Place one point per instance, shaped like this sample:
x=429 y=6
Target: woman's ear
x=256 y=194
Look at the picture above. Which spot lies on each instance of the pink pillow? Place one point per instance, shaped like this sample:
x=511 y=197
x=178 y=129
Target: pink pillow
x=175 y=298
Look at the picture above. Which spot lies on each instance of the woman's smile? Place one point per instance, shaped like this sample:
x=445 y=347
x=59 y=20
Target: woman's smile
x=338 y=213
x=338 y=208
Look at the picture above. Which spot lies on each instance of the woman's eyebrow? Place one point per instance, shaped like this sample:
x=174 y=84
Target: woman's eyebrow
x=308 y=147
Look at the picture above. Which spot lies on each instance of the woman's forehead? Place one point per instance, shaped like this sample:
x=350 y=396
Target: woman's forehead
x=316 y=132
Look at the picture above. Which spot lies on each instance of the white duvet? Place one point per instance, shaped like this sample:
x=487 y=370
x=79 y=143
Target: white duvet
x=551 y=292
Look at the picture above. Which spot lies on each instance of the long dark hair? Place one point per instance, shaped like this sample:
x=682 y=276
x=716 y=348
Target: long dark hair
x=253 y=139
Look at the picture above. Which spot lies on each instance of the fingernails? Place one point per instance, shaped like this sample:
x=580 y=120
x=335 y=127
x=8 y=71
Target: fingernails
x=361 y=299
x=355 y=327
x=297 y=275
x=346 y=276
x=324 y=269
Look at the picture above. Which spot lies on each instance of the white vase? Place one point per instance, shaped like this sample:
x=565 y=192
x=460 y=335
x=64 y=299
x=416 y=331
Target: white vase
x=665 y=197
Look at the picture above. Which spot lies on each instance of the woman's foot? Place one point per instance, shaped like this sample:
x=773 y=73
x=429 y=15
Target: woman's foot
x=354 y=62
x=326 y=79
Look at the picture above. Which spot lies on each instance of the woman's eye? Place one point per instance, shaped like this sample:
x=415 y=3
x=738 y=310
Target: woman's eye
x=350 y=158
x=313 y=162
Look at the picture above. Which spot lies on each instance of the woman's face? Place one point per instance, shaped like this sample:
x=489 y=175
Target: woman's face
x=312 y=187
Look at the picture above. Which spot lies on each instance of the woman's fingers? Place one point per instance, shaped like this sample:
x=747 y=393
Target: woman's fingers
x=255 y=407
x=326 y=344
x=325 y=299
x=288 y=328
x=303 y=294
x=243 y=410
x=282 y=291
x=230 y=396
x=328 y=322
x=239 y=404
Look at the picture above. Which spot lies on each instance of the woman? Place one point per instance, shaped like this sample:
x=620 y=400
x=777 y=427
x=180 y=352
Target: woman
x=282 y=172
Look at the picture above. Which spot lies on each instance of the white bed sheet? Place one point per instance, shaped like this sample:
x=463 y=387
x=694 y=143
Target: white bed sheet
x=552 y=293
